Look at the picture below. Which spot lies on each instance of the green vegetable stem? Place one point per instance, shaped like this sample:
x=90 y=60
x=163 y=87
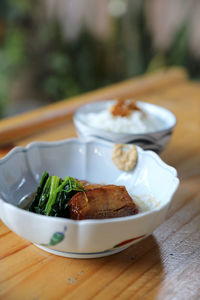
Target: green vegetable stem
x=40 y=188
x=53 y=195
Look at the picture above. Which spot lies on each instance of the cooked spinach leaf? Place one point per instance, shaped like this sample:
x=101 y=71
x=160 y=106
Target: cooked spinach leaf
x=39 y=191
x=53 y=195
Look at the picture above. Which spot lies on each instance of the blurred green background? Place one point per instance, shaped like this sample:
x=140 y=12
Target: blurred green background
x=55 y=49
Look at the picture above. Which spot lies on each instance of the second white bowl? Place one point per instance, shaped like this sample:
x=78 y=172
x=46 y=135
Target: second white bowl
x=155 y=140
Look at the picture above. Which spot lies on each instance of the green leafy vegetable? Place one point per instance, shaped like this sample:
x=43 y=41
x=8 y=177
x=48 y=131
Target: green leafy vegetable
x=45 y=194
x=53 y=195
x=40 y=188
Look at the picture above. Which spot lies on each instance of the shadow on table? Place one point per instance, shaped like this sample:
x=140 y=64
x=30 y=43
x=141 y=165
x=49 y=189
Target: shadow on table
x=147 y=250
x=139 y=267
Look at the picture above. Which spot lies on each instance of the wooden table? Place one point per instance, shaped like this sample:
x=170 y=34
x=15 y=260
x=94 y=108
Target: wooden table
x=165 y=265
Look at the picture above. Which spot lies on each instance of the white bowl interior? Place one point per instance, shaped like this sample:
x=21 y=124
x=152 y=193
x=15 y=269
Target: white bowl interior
x=151 y=181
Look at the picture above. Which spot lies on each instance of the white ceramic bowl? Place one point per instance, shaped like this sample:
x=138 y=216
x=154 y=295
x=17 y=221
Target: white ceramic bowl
x=155 y=141
x=152 y=181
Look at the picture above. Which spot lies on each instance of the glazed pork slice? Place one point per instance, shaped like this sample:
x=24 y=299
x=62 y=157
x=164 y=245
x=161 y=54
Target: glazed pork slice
x=88 y=185
x=102 y=202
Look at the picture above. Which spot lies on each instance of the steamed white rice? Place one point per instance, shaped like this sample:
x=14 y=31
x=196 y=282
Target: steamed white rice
x=136 y=123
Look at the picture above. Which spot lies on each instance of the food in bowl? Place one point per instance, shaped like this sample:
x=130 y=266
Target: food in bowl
x=124 y=116
x=53 y=195
x=152 y=182
x=102 y=202
x=124 y=156
x=149 y=126
x=79 y=200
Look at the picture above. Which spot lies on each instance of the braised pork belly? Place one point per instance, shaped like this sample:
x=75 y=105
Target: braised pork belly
x=101 y=202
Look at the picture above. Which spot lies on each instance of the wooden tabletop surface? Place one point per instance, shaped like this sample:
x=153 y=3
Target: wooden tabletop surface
x=165 y=265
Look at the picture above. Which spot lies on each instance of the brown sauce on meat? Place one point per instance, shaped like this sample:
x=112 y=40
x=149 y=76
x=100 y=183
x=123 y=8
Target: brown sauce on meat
x=97 y=201
x=102 y=202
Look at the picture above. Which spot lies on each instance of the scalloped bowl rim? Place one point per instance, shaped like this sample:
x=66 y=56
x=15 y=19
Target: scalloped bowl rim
x=158 y=160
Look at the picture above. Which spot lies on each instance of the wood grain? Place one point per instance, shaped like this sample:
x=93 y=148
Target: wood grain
x=18 y=127
x=164 y=266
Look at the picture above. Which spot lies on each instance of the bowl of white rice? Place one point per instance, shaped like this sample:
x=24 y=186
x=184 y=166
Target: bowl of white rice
x=147 y=125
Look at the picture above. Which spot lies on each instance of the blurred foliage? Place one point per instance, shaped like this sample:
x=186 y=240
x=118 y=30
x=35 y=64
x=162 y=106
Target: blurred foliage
x=68 y=68
x=13 y=38
x=59 y=68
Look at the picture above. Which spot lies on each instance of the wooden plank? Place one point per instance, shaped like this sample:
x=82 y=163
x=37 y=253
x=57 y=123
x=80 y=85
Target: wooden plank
x=131 y=274
x=164 y=266
x=18 y=127
x=186 y=135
